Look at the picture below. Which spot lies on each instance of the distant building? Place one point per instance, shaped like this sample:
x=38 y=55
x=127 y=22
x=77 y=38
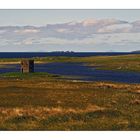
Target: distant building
x=27 y=66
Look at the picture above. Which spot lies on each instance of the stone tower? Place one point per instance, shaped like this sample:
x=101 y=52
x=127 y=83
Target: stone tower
x=27 y=66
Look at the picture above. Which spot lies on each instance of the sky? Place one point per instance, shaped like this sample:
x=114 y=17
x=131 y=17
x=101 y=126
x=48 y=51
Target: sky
x=69 y=30
x=43 y=17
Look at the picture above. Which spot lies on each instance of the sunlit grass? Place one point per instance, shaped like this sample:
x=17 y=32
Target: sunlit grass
x=45 y=104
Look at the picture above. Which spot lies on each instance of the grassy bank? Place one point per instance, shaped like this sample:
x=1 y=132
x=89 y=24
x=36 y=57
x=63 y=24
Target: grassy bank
x=47 y=103
x=34 y=75
x=120 y=63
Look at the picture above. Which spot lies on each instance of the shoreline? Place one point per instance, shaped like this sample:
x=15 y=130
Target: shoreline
x=18 y=62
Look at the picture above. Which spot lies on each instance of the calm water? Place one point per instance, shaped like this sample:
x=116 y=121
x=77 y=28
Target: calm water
x=85 y=72
x=70 y=54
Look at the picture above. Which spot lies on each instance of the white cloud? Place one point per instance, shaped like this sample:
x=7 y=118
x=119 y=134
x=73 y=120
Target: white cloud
x=122 y=28
x=101 y=22
x=27 y=42
x=25 y=31
x=85 y=33
x=62 y=30
x=2 y=31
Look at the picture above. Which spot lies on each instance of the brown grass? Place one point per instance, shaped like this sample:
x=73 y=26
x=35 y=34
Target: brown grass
x=50 y=104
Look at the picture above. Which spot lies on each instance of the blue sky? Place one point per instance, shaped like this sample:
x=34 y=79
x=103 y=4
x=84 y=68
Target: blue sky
x=43 y=17
x=69 y=30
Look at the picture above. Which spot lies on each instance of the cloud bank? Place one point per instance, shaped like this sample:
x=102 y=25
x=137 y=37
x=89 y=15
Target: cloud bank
x=86 y=35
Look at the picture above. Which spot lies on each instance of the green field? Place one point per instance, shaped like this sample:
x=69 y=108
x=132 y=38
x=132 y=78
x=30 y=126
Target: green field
x=42 y=101
x=121 y=63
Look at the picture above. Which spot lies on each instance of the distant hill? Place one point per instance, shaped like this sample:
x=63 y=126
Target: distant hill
x=137 y=51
